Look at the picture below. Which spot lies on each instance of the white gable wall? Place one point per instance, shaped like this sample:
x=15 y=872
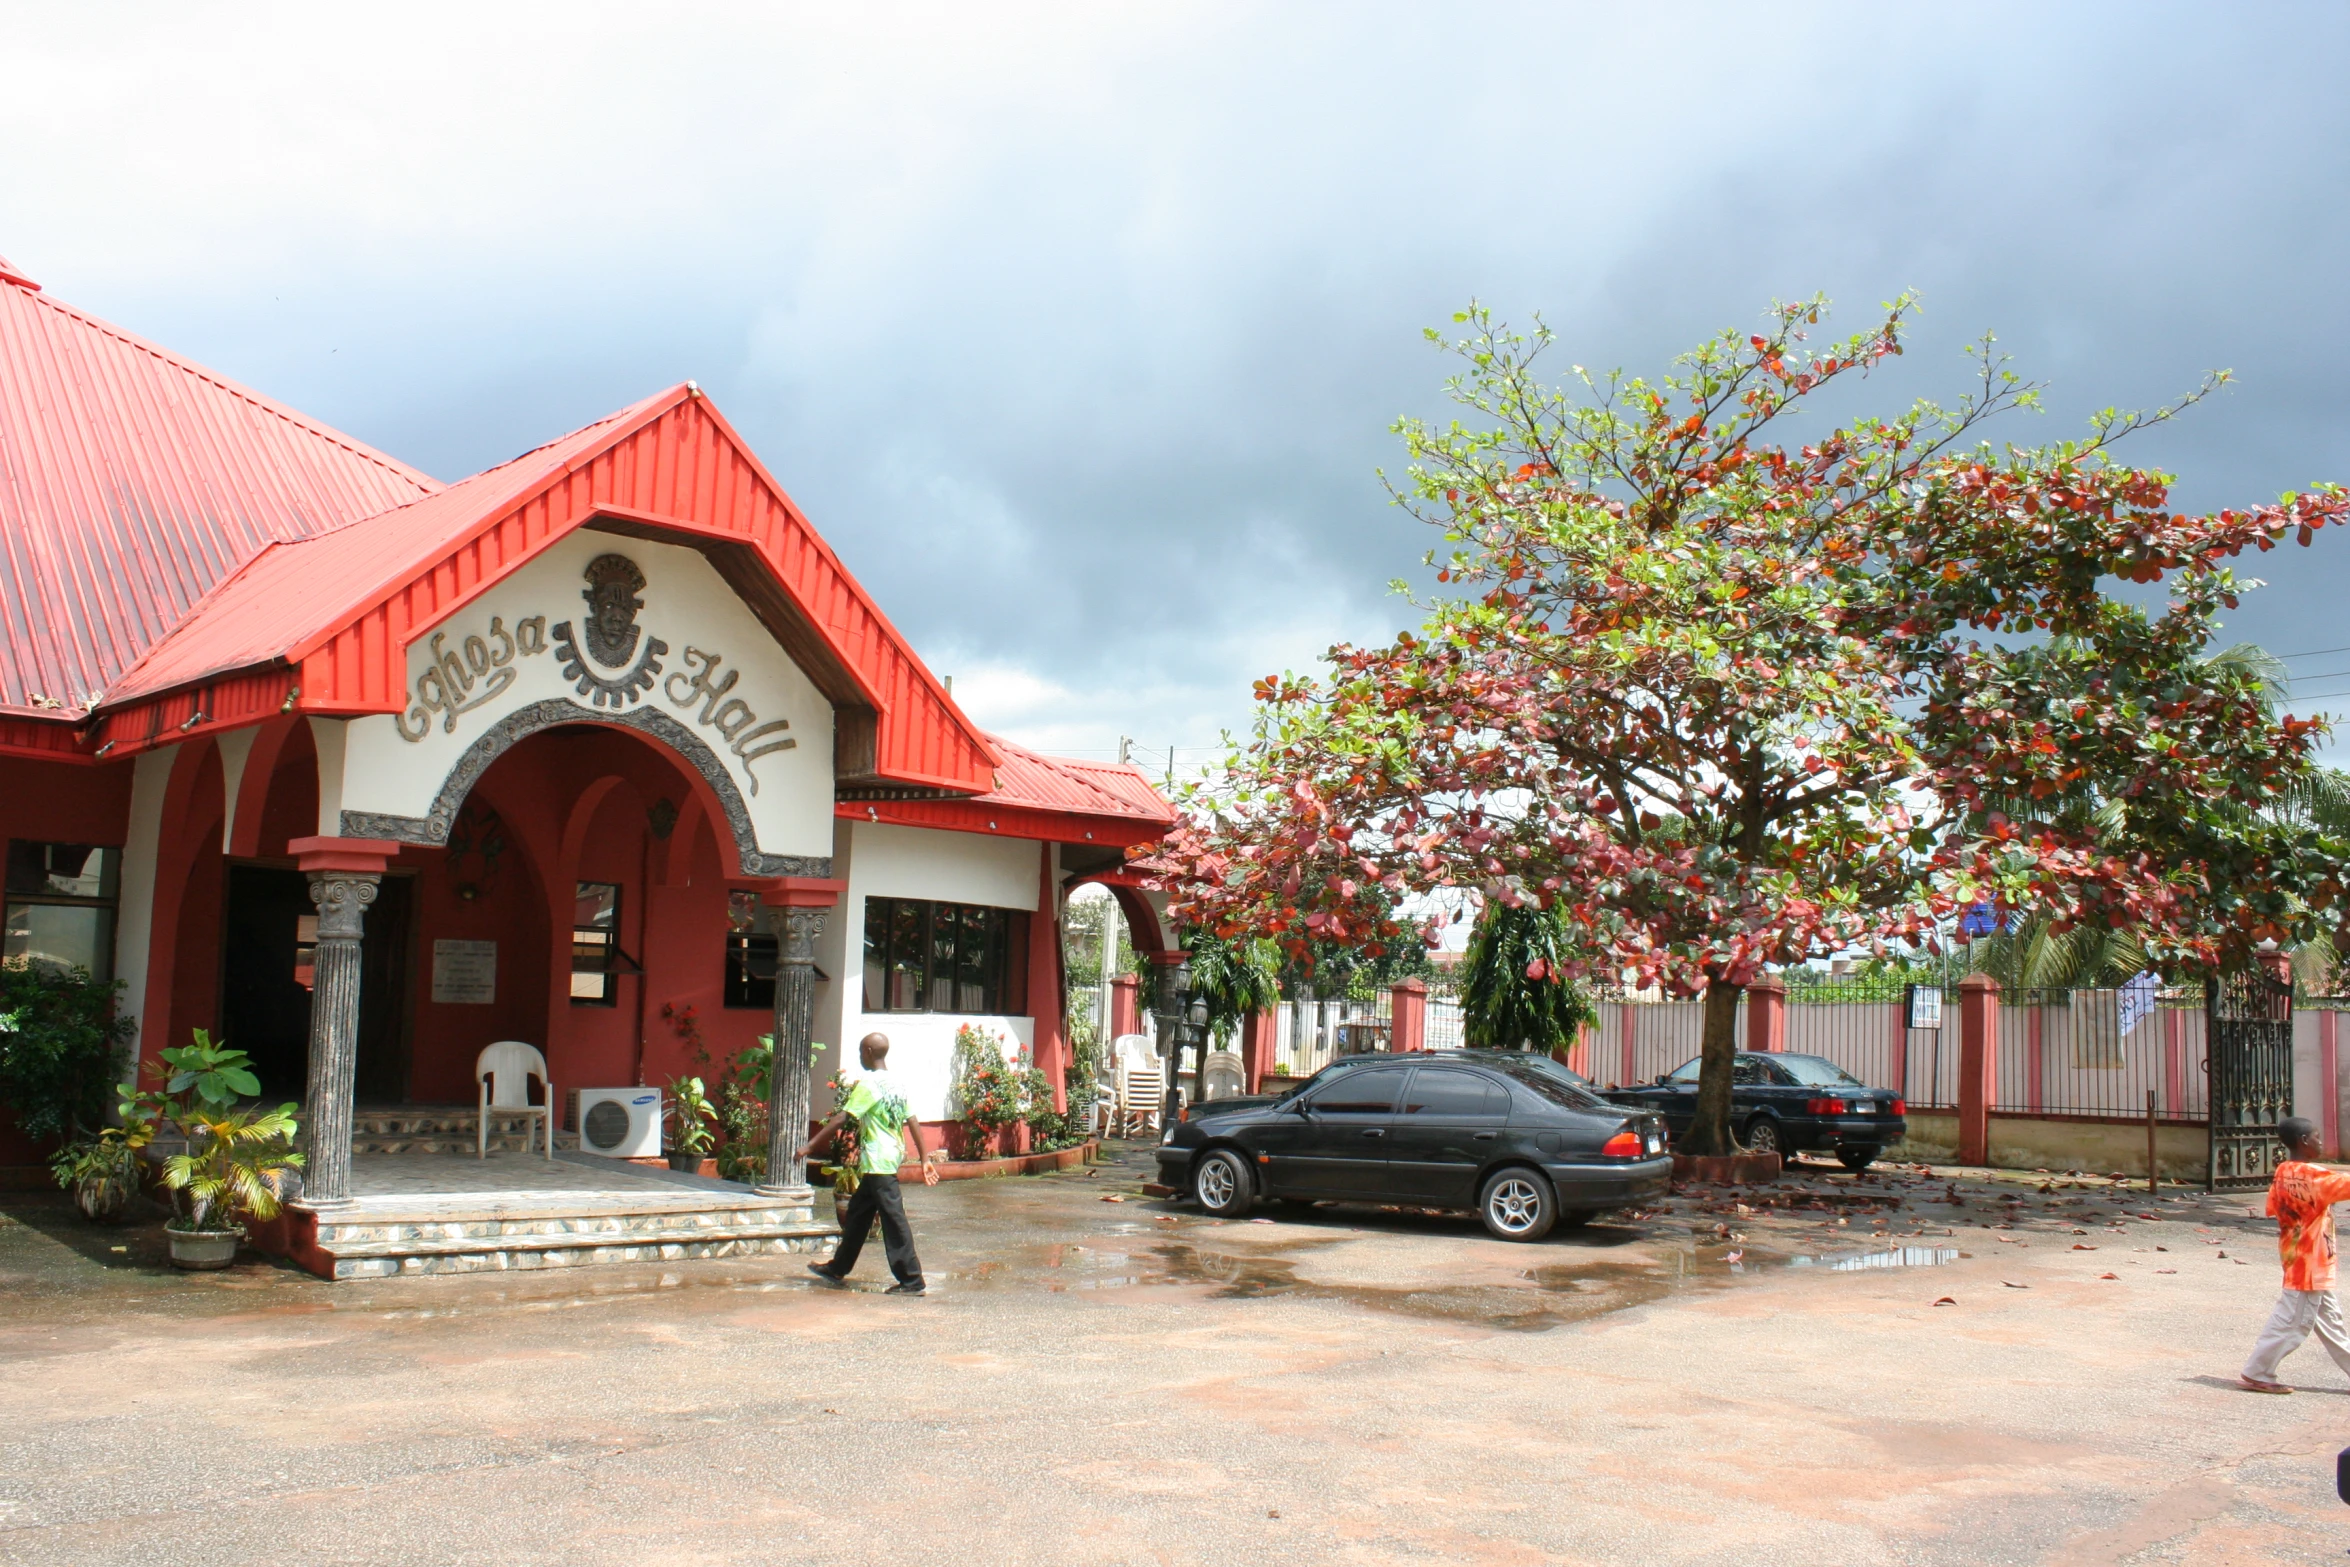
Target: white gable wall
x=880 y=861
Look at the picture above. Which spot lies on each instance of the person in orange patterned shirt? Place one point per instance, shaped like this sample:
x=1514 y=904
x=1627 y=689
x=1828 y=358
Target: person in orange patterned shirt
x=2301 y=1198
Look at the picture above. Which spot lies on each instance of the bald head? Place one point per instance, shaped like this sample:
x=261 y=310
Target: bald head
x=873 y=1051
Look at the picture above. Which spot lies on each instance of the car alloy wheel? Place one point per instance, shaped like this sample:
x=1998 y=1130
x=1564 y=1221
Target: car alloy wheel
x=1223 y=1183
x=1518 y=1206
x=1762 y=1136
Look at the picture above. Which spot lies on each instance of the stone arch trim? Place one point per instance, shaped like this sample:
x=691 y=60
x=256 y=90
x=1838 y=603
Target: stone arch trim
x=523 y=722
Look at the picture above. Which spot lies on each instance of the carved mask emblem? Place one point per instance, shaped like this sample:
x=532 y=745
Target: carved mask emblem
x=611 y=594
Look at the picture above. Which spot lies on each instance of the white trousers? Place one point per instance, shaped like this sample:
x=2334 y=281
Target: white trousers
x=2297 y=1312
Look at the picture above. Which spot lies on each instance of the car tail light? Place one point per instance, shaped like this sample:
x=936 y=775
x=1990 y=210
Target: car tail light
x=1823 y=1107
x=1898 y=1107
x=1624 y=1145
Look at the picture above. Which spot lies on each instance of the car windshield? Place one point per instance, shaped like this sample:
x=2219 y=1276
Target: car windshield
x=1818 y=1072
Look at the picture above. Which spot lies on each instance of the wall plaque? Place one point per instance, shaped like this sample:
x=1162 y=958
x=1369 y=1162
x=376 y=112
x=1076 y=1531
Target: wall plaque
x=464 y=973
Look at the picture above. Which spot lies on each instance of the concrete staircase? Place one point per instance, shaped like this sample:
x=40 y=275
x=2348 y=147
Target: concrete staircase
x=445 y=1129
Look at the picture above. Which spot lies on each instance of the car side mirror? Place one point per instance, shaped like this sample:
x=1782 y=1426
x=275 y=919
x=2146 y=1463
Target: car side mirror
x=1301 y=1107
x=1664 y=1079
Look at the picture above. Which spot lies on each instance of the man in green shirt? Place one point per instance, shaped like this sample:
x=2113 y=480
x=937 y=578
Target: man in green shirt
x=880 y=1109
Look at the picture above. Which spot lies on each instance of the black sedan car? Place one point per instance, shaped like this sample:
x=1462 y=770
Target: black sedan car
x=1521 y=1140
x=1782 y=1103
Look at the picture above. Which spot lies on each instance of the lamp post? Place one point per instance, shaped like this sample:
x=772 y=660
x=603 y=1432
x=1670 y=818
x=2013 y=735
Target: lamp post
x=1182 y=1019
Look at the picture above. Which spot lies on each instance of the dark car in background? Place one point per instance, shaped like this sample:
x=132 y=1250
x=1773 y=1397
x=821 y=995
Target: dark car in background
x=1785 y=1103
x=1518 y=1139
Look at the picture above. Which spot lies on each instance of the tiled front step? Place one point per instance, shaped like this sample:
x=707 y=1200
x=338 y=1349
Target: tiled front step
x=458 y=1142
x=519 y=1256
x=366 y=1231
x=386 y=1236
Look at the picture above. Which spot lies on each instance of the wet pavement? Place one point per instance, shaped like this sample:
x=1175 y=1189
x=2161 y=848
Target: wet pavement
x=1907 y=1366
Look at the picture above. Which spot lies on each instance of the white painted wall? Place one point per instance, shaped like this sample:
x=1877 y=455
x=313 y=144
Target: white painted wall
x=134 y=924
x=881 y=861
x=686 y=605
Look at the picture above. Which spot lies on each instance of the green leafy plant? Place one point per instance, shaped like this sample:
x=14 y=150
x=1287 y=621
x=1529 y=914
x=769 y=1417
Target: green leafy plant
x=1516 y=994
x=691 y=1112
x=107 y=1157
x=60 y=1048
x=742 y=1127
x=990 y=1093
x=236 y=1155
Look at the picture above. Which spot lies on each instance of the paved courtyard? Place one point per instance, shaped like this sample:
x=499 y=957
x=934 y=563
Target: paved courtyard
x=1098 y=1381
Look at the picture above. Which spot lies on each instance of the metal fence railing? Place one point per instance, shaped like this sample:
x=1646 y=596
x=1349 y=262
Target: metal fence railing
x=2061 y=1051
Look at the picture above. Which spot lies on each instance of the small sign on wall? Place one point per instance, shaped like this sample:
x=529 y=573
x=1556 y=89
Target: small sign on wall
x=464 y=973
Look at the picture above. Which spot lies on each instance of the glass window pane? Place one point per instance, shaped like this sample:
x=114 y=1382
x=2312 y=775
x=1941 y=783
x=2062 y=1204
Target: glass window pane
x=945 y=933
x=598 y=906
x=1440 y=1093
x=876 y=954
x=909 y=939
x=1370 y=1090
x=971 y=963
x=60 y=936
x=62 y=870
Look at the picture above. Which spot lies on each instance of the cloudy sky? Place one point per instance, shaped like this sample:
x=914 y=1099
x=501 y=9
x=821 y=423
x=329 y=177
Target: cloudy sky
x=1078 y=330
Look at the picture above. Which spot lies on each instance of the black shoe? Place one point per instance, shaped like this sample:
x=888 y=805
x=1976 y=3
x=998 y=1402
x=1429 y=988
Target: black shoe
x=828 y=1276
x=905 y=1289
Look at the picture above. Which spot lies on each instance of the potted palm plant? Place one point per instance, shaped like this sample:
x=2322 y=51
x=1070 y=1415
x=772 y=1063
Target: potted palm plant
x=102 y=1173
x=691 y=1112
x=236 y=1157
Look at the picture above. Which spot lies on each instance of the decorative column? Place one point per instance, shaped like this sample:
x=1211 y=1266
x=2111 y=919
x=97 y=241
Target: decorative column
x=1978 y=1065
x=344 y=876
x=1766 y=1013
x=801 y=903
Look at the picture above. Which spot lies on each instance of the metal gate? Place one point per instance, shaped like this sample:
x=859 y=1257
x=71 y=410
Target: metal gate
x=2250 y=1017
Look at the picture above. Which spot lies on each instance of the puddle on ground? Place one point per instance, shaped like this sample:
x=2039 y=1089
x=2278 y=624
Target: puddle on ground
x=1563 y=1294
x=1863 y=1261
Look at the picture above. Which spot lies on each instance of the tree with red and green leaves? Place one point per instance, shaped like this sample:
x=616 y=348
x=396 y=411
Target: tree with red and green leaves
x=1732 y=698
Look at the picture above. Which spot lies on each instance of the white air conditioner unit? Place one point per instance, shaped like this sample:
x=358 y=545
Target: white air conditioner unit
x=620 y=1123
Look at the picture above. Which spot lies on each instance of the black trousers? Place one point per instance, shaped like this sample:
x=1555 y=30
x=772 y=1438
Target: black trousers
x=878 y=1195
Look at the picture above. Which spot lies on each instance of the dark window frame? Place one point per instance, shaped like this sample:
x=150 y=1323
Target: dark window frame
x=926 y=956
x=600 y=956
x=107 y=901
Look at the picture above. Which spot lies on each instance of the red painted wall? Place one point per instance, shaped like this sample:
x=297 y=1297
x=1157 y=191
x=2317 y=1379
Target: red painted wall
x=53 y=803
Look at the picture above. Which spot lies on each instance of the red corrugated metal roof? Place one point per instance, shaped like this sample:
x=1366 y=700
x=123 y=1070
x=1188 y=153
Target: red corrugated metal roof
x=132 y=483
x=196 y=552
x=1036 y=781
x=294 y=594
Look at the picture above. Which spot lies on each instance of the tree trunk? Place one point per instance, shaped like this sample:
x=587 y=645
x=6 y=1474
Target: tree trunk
x=1709 y=1132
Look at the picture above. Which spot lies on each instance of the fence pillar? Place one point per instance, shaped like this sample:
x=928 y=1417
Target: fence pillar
x=1766 y=1013
x=1259 y=1032
x=1409 y=1015
x=1125 y=1008
x=1629 y=1031
x=1978 y=1065
x=2329 y=1073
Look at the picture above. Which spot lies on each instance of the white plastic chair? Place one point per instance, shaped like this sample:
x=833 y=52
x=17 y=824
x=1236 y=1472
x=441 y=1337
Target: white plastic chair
x=503 y=1072
x=1142 y=1094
